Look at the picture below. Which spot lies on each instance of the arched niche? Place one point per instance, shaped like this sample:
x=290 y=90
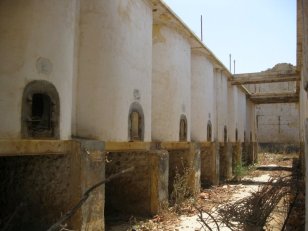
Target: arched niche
x=183 y=128
x=225 y=134
x=136 y=122
x=40 y=111
x=209 y=131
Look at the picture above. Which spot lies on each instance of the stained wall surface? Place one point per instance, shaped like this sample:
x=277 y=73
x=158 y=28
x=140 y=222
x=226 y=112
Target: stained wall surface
x=202 y=96
x=115 y=66
x=37 y=42
x=221 y=90
x=170 y=83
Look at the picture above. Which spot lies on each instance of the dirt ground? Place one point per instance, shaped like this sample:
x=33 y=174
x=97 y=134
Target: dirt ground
x=211 y=203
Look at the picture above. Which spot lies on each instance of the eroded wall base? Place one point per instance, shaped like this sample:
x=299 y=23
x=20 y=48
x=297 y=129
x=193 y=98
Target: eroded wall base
x=210 y=164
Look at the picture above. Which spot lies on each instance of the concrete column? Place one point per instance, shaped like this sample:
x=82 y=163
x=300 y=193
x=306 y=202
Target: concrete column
x=210 y=165
x=225 y=161
x=236 y=156
x=159 y=177
x=93 y=171
x=194 y=161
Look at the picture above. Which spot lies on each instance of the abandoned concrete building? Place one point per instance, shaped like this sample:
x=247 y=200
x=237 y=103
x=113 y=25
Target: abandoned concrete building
x=91 y=87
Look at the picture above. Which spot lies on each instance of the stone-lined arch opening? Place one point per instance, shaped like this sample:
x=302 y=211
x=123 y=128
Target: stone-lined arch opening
x=225 y=134
x=40 y=111
x=135 y=123
x=183 y=128
x=209 y=131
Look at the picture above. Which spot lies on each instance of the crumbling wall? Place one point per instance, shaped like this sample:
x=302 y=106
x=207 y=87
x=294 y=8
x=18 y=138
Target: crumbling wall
x=138 y=192
x=38 y=190
x=210 y=165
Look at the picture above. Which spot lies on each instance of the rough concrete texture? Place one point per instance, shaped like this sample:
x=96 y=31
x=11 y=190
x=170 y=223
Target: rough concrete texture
x=159 y=164
x=225 y=162
x=92 y=171
x=39 y=189
x=139 y=192
x=181 y=161
x=236 y=156
x=210 y=165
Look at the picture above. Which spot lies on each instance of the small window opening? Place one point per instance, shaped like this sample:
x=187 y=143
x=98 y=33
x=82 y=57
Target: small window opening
x=209 y=131
x=244 y=136
x=40 y=124
x=135 y=133
x=183 y=129
x=236 y=135
x=40 y=110
x=250 y=137
x=225 y=134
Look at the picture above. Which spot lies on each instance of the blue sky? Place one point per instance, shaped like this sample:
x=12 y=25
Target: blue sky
x=258 y=33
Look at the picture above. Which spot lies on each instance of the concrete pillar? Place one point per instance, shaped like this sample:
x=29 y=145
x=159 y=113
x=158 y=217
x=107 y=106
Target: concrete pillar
x=194 y=160
x=236 y=156
x=210 y=165
x=186 y=163
x=159 y=165
x=225 y=161
x=92 y=171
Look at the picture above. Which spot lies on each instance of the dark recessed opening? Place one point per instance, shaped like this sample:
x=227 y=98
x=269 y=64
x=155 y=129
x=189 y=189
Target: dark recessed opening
x=41 y=114
x=209 y=131
x=183 y=128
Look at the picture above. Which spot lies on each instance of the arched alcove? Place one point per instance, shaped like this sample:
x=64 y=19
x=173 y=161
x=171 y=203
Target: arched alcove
x=209 y=131
x=183 y=128
x=225 y=134
x=40 y=110
x=136 y=122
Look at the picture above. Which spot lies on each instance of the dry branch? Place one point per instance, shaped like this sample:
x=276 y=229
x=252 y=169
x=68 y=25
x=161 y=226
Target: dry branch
x=253 y=211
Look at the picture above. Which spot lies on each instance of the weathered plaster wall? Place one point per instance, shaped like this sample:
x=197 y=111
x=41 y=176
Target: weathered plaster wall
x=250 y=121
x=241 y=115
x=232 y=111
x=36 y=43
x=278 y=123
x=221 y=90
x=115 y=66
x=202 y=96
x=170 y=83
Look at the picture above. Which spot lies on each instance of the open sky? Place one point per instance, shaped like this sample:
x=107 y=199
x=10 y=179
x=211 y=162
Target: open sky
x=258 y=33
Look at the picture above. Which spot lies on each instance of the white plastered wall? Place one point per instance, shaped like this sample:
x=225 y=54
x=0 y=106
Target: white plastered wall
x=221 y=89
x=171 y=83
x=31 y=30
x=115 y=67
x=202 y=96
x=233 y=111
x=241 y=116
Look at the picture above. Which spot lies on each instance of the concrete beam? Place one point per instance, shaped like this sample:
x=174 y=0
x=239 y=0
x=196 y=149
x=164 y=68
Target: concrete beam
x=34 y=147
x=127 y=146
x=263 y=77
x=268 y=98
x=174 y=145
